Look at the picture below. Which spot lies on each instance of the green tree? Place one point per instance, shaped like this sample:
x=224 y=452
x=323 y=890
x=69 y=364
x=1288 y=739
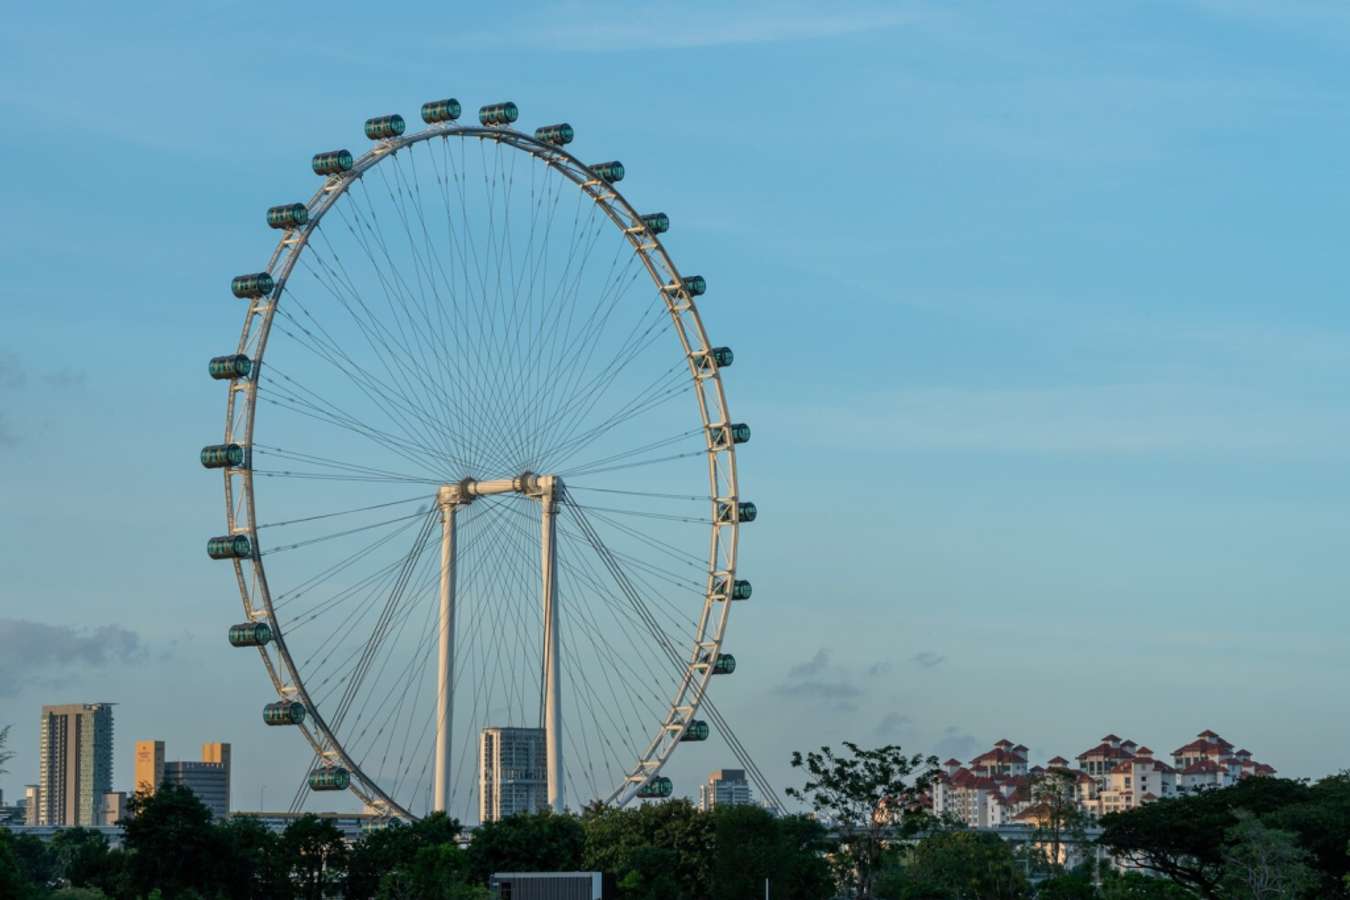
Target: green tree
x=173 y=844
x=616 y=841
x=251 y=865
x=5 y=753
x=864 y=792
x=527 y=842
x=317 y=855
x=753 y=845
x=37 y=865
x=1263 y=863
x=437 y=871
x=14 y=881
x=77 y=893
x=1134 y=886
x=1184 y=838
x=955 y=865
x=1059 y=818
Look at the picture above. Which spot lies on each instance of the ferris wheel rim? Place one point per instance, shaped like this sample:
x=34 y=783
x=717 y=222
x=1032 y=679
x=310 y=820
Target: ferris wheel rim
x=693 y=337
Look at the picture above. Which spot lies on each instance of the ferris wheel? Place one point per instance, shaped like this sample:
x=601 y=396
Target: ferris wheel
x=480 y=476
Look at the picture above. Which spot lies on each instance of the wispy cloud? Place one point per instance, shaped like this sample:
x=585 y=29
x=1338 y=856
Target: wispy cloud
x=928 y=659
x=35 y=653
x=894 y=725
x=956 y=744
x=15 y=376
x=817 y=680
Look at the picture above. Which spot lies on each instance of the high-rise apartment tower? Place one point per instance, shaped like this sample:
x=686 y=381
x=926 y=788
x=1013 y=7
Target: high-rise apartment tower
x=75 y=750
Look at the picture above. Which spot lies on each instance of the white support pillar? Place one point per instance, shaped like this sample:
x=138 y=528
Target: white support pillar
x=448 y=498
x=548 y=488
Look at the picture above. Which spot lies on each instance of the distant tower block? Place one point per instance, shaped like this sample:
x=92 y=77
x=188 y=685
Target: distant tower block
x=75 y=746
x=512 y=772
x=149 y=766
x=725 y=787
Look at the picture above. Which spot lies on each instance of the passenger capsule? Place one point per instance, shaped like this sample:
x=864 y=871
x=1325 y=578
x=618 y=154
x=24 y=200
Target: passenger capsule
x=555 y=134
x=658 y=788
x=250 y=634
x=222 y=456
x=656 y=223
x=334 y=162
x=740 y=433
x=736 y=512
x=291 y=215
x=253 y=286
x=608 y=172
x=740 y=588
x=284 y=712
x=722 y=356
x=223 y=368
x=498 y=113
x=725 y=664
x=229 y=546
x=330 y=778
x=381 y=127
x=435 y=111
x=693 y=285
x=697 y=731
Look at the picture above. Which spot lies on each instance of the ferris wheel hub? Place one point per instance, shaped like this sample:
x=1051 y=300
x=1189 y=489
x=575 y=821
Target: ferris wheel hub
x=527 y=483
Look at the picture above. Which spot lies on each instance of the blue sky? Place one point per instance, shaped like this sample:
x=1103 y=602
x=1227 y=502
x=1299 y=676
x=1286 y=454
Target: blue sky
x=1037 y=311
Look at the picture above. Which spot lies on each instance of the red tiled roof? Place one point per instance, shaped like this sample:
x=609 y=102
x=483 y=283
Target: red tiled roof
x=1110 y=737
x=1058 y=761
x=1143 y=751
x=952 y=762
x=1106 y=750
x=1201 y=767
x=998 y=755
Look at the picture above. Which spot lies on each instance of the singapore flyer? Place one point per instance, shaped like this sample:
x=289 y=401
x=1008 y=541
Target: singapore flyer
x=480 y=475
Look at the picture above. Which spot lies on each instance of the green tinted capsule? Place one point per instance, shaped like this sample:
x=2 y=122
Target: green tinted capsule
x=608 y=172
x=740 y=433
x=292 y=215
x=740 y=589
x=330 y=778
x=693 y=285
x=434 y=111
x=250 y=634
x=498 y=113
x=229 y=546
x=334 y=162
x=723 y=356
x=253 y=286
x=698 y=730
x=656 y=223
x=658 y=788
x=284 y=712
x=223 y=368
x=222 y=456
x=381 y=127
x=725 y=664
x=736 y=512
x=555 y=134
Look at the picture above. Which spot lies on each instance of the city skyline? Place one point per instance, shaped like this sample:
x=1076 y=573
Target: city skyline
x=1061 y=353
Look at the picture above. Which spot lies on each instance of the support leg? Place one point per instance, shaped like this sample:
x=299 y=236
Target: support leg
x=552 y=668
x=445 y=660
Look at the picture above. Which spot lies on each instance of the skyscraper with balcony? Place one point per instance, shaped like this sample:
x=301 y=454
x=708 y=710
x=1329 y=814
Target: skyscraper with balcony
x=75 y=750
x=512 y=772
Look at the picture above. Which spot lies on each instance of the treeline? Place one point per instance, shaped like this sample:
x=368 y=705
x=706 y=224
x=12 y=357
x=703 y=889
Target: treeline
x=173 y=849
x=1262 y=839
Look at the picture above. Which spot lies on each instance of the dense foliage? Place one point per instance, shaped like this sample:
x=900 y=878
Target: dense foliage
x=173 y=849
x=1263 y=837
